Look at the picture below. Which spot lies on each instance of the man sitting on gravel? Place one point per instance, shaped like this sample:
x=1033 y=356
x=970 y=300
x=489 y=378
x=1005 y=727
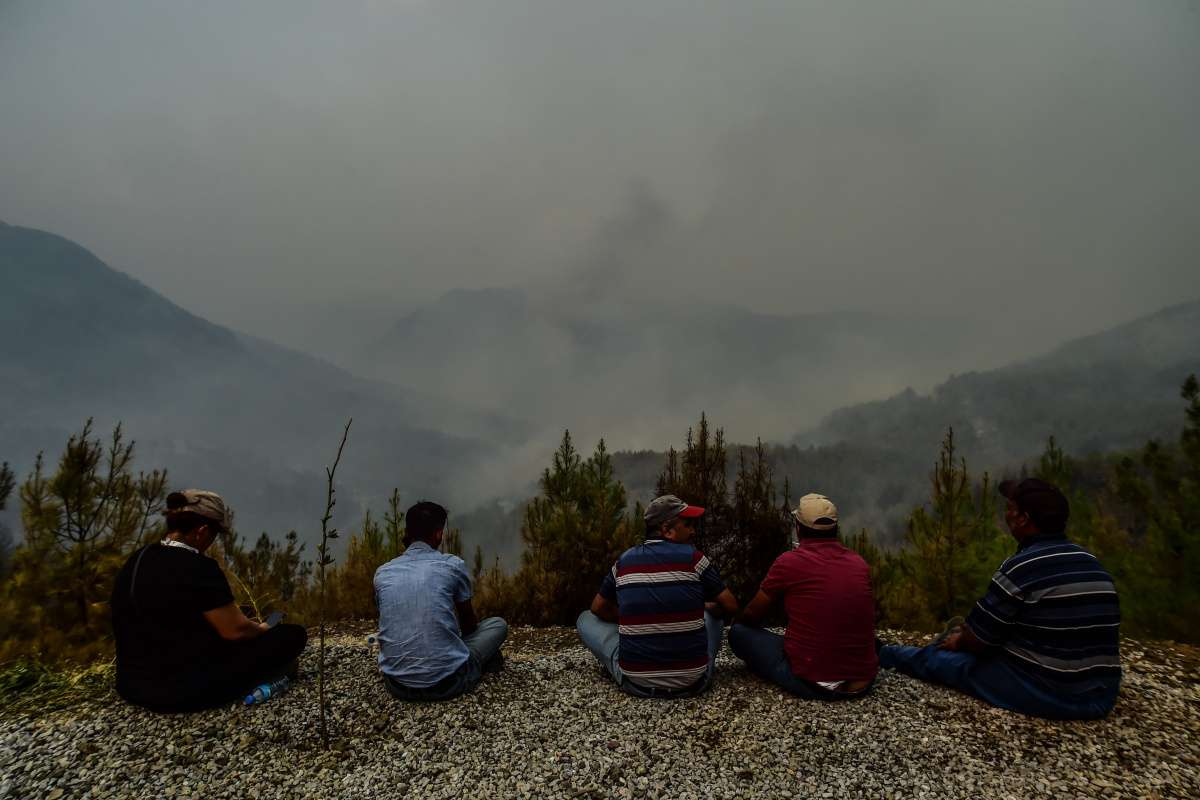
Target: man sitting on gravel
x=649 y=625
x=1044 y=640
x=828 y=652
x=182 y=644
x=430 y=645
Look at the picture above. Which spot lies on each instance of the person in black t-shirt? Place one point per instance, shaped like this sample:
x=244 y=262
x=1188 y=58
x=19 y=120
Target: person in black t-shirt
x=182 y=643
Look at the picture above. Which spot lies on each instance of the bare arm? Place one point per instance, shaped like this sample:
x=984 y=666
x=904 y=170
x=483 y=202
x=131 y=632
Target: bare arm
x=467 y=622
x=604 y=608
x=757 y=608
x=725 y=605
x=231 y=624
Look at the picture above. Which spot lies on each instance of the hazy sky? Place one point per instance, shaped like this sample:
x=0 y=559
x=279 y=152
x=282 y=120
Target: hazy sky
x=279 y=166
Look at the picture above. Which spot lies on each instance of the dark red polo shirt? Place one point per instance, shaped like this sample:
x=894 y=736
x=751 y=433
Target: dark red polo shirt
x=826 y=592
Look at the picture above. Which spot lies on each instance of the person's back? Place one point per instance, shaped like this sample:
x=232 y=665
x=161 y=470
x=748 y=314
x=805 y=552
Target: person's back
x=1045 y=638
x=826 y=591
x=181 y=642
x=430 y=645
x=419 y=640
x=660 y=588
x=828 y=650
x=159 y=628
x=649 y=623
x=1052 y=610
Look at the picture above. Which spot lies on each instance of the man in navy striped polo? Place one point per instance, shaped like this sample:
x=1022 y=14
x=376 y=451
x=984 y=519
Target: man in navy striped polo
x=1044 y=640
x=652 y=623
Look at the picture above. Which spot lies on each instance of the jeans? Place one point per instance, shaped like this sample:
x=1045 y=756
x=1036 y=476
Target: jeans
x=483 y=644
x=604 y=640
x=994 y=680
x=764 y=655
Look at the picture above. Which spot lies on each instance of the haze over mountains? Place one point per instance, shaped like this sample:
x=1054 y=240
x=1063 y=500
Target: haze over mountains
x=482 y=382
x=79 y=340
x=633 y=370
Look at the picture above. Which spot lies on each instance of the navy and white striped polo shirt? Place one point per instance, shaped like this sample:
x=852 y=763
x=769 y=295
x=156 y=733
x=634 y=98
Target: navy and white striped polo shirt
x=660 y=588
x=1053 y=611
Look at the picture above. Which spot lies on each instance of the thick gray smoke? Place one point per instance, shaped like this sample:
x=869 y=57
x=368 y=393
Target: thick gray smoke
x=936 y=186
x=298 y=170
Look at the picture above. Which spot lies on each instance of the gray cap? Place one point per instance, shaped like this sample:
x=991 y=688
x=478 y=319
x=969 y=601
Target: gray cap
x=668 y=507
x=206 y=504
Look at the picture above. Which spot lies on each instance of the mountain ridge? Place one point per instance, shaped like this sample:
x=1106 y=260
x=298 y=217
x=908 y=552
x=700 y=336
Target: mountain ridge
x=79 y=339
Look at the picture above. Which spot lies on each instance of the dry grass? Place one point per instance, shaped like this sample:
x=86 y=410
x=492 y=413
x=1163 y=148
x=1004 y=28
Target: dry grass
x=33 y=688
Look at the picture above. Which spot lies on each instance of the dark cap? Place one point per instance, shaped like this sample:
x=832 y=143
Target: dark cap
x=1042 y=501
x=668 y=507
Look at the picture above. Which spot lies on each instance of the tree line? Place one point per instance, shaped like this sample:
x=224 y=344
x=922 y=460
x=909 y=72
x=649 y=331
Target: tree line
x=1138 y=511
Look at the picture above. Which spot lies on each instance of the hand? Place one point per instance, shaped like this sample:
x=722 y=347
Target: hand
x=951 y=641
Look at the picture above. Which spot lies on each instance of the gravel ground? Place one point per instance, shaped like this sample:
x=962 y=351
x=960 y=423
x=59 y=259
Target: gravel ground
x=551 y=726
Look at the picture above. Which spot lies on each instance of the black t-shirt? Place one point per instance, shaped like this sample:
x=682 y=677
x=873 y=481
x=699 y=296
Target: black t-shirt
x=160 y=631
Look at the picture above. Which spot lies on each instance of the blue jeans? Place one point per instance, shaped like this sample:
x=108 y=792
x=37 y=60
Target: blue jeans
x=483 y=643
x=604 y=640
x=764 y=655
x=994 y=680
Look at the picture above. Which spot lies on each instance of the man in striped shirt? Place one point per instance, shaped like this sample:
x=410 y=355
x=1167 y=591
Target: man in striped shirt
x=1044 y=640
x=650 y=625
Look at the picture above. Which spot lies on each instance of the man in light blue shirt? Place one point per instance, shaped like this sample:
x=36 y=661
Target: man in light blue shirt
x=430 y=645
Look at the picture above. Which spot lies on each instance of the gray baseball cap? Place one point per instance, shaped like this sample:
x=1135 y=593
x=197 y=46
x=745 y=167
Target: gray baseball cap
x=206 y=504
x=668 y=507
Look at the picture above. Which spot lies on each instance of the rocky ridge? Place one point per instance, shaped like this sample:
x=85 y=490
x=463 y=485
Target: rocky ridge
x=551 y=725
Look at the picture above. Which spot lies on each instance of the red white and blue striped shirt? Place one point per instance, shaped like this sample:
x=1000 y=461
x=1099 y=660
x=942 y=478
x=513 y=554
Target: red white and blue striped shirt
x=660 y=588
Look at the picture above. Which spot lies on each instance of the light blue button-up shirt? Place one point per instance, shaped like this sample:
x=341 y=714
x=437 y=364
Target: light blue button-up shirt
x=419 y=639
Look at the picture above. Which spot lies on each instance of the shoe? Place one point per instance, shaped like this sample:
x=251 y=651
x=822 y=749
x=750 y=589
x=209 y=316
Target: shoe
x=952 y=625
x=494 y=664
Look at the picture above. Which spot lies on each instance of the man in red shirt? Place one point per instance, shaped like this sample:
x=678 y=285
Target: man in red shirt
x=828 y=652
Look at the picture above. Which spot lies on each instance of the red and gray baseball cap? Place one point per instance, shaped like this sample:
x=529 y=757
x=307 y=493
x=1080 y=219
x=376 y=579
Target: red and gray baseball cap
x=668 y=507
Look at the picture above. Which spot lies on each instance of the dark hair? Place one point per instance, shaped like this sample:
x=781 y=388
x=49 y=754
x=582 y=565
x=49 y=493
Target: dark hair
x=423 y=520
x=805 y=532
x=187 y=521
x=656 y=531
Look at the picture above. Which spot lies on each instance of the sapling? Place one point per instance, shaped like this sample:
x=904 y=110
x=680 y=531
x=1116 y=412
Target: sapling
x=323 y=561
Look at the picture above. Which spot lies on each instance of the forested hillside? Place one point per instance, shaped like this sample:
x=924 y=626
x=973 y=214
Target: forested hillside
x=1108 y=392
x=80 y=340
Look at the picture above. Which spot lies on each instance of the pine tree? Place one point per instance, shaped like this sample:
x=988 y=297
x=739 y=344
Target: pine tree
x=265 y=577
x=477 y=566
x=761 y=527
x=955 y=544
x=86 y=516
x=572 y=532
x=452 y=542
x=1161 y=492
x=697 y=476
x=7 y=484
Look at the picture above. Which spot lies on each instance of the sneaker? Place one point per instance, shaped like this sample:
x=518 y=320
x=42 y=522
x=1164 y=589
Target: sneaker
x=494 y=664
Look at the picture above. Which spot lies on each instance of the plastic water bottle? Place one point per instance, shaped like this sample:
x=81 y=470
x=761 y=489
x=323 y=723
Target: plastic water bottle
x=264 y=692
